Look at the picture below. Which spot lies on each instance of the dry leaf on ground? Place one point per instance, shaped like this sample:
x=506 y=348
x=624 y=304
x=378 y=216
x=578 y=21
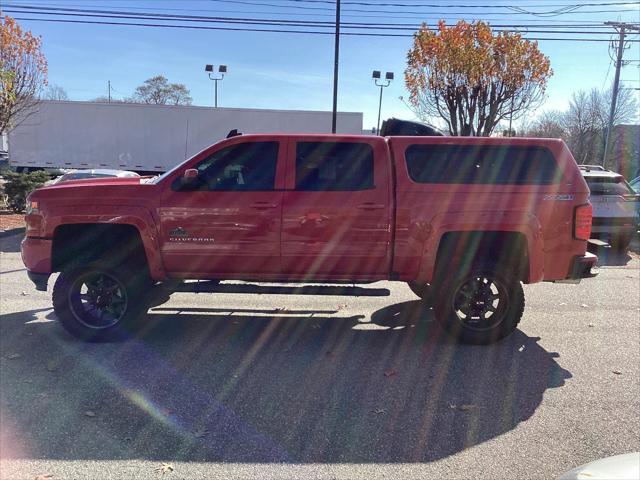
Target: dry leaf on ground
x=201 y=432
x=390 y=373
x=43 y=476
x=165 y=468
x=464 y=407
x=13 y=356
x=89 y=413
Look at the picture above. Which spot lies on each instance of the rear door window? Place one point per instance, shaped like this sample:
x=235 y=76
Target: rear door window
x=482 y=164
x=334 y=166
x=608 y=186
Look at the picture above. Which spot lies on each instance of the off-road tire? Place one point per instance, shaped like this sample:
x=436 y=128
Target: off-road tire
x=134 y=284
x=476 y=329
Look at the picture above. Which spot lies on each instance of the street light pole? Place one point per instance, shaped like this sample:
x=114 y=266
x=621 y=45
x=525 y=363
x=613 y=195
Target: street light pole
x=376 y=76
x=336 y=61
x=222 y=69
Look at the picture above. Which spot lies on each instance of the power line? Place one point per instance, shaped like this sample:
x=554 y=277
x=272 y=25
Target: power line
x=436 y=5
x=306 y=7
x=423 y=16
x=118 y=14
x=273 y=30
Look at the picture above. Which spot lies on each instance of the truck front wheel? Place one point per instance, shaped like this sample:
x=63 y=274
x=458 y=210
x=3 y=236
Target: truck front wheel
x=480 y=306
x=98 y=303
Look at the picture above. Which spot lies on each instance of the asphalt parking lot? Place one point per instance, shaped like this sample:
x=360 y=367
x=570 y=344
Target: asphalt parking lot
x=256 y=382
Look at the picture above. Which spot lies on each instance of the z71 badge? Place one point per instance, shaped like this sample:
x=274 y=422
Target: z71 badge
x=559 y=198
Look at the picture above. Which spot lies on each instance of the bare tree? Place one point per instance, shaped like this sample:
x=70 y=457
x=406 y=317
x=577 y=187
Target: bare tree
x=549 y=125
x=55 y=92
x=23 y=73
x=157 y=90
x=105 y=99
x=583 y=125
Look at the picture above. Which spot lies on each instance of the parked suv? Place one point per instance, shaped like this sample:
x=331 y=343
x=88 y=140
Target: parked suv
x=615 y=207
x=473 y=218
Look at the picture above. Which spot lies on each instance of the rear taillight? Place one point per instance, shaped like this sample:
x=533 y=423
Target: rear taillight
x=582 y=218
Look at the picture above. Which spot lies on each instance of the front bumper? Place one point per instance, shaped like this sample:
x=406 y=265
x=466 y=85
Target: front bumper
x=580 y=268
x=36 y=256
x=40 y=280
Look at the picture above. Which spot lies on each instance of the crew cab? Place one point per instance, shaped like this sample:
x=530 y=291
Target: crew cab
x=467 y=219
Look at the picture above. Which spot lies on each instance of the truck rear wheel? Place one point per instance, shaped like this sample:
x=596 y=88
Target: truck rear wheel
x=99 y=303
x=480 y=306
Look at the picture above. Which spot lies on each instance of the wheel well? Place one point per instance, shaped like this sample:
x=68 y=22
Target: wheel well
x=467 y=248
x=97 y=241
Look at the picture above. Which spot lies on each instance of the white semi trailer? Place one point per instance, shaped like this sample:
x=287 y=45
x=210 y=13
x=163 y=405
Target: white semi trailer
x=146 y=138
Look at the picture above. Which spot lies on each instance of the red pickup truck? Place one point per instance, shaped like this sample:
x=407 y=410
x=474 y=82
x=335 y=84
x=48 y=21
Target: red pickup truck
x=468 y=219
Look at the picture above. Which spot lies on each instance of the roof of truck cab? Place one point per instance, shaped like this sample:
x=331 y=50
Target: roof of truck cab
x=446 y=139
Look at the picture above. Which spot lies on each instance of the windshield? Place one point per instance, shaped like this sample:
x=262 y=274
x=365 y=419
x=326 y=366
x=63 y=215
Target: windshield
x=608 y=186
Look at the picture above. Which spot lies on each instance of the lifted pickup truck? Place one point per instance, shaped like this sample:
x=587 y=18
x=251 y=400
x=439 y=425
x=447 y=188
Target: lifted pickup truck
x=469 y=219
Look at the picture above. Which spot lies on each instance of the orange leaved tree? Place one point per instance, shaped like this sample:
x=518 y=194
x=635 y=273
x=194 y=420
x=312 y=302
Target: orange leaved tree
x=23 y=73
x=472 y=78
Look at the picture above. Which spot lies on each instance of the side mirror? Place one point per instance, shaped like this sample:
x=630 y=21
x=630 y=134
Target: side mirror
x=190 y=176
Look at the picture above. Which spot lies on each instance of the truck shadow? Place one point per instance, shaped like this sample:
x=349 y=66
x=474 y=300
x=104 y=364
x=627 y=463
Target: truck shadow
x=254 y=385
x=306 y=289
x=11 y=243
x=609 y=257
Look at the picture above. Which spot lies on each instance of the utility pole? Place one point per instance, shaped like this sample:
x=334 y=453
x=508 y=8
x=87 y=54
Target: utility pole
x=336 y=61
x=621 y=28
x=109 y=90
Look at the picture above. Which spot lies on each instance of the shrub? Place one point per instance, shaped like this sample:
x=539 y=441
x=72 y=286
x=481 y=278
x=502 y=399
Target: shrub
x=19 y=185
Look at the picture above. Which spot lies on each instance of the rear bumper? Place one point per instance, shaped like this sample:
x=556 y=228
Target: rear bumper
x=614 y=225
x=580 y=268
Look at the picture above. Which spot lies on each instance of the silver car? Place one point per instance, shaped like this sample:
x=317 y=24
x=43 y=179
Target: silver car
x=92 y=173
x=615 y=207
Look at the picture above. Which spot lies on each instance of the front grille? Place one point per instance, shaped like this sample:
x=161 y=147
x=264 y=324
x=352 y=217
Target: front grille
x=613 y=221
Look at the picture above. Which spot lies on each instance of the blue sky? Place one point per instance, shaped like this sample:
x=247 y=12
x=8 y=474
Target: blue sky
x=293 y=71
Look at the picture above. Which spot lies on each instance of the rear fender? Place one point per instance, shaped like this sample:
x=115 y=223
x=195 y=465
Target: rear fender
x=489 y=221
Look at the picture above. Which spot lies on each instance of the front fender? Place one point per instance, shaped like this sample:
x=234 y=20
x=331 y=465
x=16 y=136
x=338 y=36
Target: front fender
x=138 y=217
x=489 y=221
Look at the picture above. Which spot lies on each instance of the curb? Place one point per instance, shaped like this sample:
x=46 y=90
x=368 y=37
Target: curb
x=12 y=231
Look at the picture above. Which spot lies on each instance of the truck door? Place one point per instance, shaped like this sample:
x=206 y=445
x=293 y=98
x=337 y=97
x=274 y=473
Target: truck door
x=336 y=218
x=226 y=224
